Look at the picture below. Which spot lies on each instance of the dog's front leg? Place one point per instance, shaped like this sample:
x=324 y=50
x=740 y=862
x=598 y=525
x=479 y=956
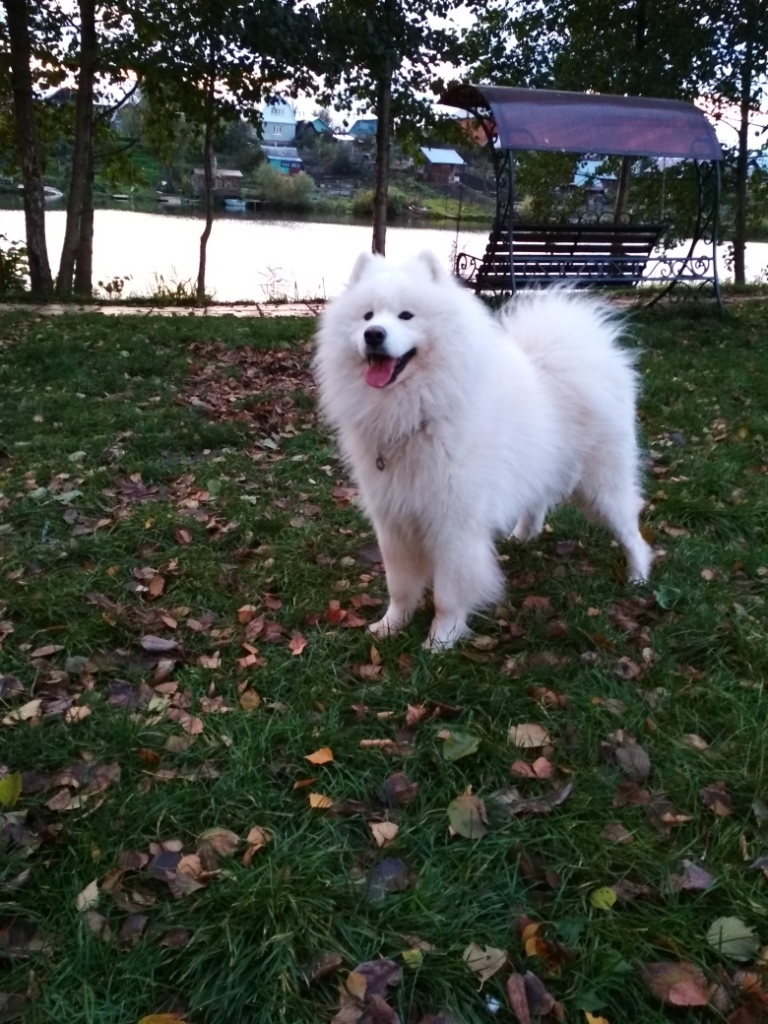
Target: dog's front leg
x=408 y=573
x=467 y=578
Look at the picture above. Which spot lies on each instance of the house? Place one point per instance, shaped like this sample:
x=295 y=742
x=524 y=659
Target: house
x=227 y=184
x=317 y=126
x=364 y=128
x=586 y=176
x=284 y=158
x=442 y=165
x=278 y=122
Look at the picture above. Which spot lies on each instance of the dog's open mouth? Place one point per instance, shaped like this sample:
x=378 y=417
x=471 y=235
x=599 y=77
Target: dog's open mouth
x=382 y=370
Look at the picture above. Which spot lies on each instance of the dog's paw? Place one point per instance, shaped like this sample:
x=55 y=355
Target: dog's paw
x=382 y=629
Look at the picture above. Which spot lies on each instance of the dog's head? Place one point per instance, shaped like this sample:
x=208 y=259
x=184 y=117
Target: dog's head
x=389 y=315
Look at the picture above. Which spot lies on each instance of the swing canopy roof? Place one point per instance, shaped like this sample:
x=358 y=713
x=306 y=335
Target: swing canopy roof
x=575 y=122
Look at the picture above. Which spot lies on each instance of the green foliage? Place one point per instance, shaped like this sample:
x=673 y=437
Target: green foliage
x=278 y=189
x=14 y=267
x=362 y=203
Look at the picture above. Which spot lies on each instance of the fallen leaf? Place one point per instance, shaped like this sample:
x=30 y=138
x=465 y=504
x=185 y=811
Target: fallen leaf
x=542 y=768
x=399 y=790
x=528 y=736
x=322 y=756
x=164 y=1018
x=297 y=644
x=89 y=897
x=676 y=983
x=384 y=832
x=617 y=833
x=591 y=1019
x=731 y=937
x=633 y=760
x=10 y=789
x=518 y=999
x=222 y=840
x=604 y=898
x=256 y=839
x=249 y=700
x=189 y=723
x=390 y=875
x=484 y=961
x=77 y=713
x=158 y=644
x=320 y=802
x=693 y=877
x=458 y=744
x=47 y=651
x=467 y=817
x=690 y=739
x=320 y=965
x=717 y=799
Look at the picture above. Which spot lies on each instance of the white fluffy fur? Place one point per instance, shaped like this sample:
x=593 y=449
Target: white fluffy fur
x=492 y=422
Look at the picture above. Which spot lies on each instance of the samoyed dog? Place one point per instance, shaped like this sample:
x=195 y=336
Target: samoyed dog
x=460 y=426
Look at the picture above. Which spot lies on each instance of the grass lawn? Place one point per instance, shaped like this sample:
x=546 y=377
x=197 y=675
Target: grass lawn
x=184 y=583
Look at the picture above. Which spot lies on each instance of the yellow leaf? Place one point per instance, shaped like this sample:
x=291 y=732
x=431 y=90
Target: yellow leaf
x=604 y=898
x=322 y=756
x=413 y=957
x=594 y=1020
x=484 y=961
x=320 y=802
x=10 y=789
x=529 y=735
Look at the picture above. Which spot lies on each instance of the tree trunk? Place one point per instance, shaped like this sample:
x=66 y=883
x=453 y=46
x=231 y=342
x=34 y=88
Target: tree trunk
x=84 y=260
x=81 y=157
x=25 y=123
x=208 y=174
x=742 y=168
x=622 y=190
x=381 y=186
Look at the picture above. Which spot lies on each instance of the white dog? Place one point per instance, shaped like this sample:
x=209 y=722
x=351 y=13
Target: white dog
x=459 y=427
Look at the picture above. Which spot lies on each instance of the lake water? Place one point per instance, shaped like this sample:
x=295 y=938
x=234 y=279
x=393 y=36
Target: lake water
x=251 y=257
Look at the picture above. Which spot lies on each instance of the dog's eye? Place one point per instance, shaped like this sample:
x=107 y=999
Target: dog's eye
x=405 y=315
x=368 y=316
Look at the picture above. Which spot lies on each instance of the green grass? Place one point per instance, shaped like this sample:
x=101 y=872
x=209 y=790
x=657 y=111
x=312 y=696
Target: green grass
x=256 y=495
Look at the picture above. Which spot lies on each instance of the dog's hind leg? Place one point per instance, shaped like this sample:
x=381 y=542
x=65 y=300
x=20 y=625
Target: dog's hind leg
x=467 y=578
x=618 y=509
x=408 y=572
x=530 y=524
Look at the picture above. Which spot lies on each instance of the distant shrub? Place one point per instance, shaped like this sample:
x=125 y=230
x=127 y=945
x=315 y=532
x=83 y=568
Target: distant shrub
x=294 y=190
x=362 y=204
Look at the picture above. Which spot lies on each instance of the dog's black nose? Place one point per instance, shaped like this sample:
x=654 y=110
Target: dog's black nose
x=374 y=336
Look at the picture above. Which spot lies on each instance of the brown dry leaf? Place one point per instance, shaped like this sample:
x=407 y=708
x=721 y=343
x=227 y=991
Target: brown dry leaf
x=717 y=799
x=633 y=760
x=246 y=613
x=88 y=899
x=518 y=1000
x=484 y=961
x=528 y=736
x=46 y=651
x=189 y=723
x=297 y=644
x=617 y=833
x=676 y=983
x=257 y=839
x=384 y=832
x=164 y=1018
x=211 y=661
x=158 y=644
x=249 y=700
x=23 y=714
x=691 y=739
x=156 y=587
x=77 y=713
x=183 y=536
x=319 y=801
x=222 y=840
x=542 y=768
x=322 y=756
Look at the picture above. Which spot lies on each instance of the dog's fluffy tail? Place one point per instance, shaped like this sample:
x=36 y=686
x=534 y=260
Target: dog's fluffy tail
x=562 y=324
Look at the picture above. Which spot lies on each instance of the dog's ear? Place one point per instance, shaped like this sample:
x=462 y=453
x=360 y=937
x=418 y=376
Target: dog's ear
x=432 y=263
x=363 y=264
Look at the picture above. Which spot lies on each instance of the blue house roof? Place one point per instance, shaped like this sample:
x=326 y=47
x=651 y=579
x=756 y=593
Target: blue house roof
x=364 y=127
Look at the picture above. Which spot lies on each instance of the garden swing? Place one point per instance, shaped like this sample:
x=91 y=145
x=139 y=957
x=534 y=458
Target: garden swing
x=589 y=249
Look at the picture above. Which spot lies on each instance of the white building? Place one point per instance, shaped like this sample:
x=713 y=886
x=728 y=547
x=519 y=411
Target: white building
x=278 y=122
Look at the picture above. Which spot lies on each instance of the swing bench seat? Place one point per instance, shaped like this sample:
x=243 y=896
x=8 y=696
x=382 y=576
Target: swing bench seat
x=584 y=255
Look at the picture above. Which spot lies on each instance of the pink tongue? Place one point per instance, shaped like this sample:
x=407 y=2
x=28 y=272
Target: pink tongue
x=379 y=372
